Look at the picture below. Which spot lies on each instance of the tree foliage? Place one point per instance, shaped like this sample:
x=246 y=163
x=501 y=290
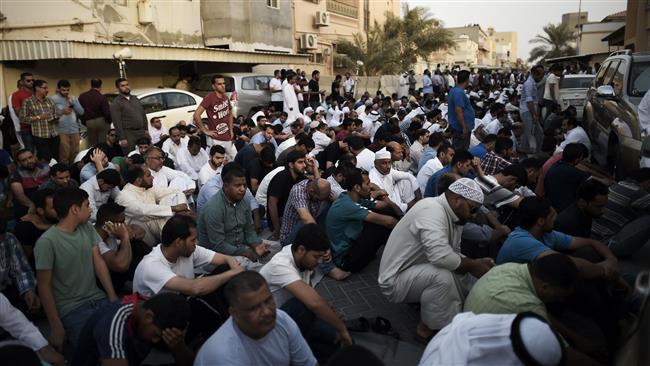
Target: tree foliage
x=396 y=45
x=554 y=42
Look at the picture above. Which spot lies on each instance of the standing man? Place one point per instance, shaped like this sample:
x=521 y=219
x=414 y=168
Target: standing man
x=291 y=107
x=461 y=113
x=528 y=109
x=38 y=111
x=275 y=86
x=314 y=90
x=68 y=109
x=97 y=113
x=551 y=100
x=129 y=118
x=219 y=128
x=26 y=89
x=412 y=82
x=348 y=85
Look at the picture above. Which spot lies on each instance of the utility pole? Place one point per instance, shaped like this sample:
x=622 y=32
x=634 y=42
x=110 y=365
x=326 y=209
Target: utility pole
x=579 y=27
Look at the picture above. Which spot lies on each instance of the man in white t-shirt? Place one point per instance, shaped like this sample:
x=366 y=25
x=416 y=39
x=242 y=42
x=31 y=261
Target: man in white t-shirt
x=574 y=134
x=291 y=276
x=443 y=157
x=275 y=87
x=214 y=165
x=257 y=333
x=348 y=84
x=171 y=265
x=552 y=90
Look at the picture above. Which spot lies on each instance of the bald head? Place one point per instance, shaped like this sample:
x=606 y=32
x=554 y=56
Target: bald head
x=396 y=151
x=319 y=189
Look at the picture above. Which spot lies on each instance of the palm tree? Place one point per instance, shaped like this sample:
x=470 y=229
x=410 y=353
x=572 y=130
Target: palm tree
x=397 y=45
x=555 y=42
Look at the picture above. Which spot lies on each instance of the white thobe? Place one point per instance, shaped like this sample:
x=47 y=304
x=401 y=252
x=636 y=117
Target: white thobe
x=366 y=160
x=400 y=186
x=290 y=102
x=321 y=141
x=191 y=164
x=575 y=135
x=170 y=148
x=149 y=208
x=208 y=172
x=428 y=169
x=96 y=198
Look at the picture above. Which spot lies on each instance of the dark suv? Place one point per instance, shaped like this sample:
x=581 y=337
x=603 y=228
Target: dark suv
x=611 y=116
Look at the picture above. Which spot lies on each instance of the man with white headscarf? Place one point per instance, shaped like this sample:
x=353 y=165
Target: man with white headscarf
x=422 y=261
x=495 y=339
x=401 y=187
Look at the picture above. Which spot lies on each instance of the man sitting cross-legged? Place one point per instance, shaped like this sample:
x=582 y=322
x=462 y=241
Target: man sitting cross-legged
x=171 y=267
x=290 y=275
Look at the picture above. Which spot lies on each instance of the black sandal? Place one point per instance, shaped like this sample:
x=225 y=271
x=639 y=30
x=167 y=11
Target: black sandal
x=382 y=326
x=360 y=324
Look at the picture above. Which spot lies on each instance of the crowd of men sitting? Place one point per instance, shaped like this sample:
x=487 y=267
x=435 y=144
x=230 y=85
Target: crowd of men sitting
x=156 y=242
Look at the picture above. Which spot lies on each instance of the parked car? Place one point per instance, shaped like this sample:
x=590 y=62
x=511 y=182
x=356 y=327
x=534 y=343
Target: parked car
x=168 y=104
x=252 y=90
x=573 y=92
x=611 y=117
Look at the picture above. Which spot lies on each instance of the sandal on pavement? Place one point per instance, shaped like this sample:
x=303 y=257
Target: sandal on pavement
x=382 y=326
x=360 y=324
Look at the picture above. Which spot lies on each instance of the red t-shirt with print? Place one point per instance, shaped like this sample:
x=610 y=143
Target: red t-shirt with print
x=219 y=113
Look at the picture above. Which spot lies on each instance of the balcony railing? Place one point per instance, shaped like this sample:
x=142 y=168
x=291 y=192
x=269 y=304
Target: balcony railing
x=342 y=8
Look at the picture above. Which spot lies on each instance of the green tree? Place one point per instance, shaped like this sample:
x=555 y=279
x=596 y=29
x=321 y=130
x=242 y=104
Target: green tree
x=554 y=42
x=397 y=44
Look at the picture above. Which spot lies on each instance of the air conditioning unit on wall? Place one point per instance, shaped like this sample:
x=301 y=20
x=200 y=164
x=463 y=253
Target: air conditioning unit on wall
x=308 y=41
x=322 y=19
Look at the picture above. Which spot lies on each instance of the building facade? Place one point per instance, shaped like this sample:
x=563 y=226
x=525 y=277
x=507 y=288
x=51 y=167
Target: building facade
x=477 y=35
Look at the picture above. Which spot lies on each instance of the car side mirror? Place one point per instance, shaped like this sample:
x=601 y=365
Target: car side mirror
x=606 y=91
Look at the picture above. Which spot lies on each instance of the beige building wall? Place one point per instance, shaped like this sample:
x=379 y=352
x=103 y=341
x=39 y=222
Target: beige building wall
x=571 y=20
x=477 y=35
x=508 y=40
x=637 y=27
x=347 y=17
x=592 y=35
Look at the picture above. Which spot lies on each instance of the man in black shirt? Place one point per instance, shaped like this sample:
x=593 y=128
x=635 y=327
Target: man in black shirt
x=280 y=186
x=31 y=226
x=113 y=148
x=314 y=90
x=258 y=168
x=563 y=178
x=576 y=219
x=328 y=157
x=250 y=152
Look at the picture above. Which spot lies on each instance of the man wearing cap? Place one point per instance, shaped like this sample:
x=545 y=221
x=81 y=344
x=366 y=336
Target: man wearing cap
x=422 y=261
x=402 y=187
x=495 y=339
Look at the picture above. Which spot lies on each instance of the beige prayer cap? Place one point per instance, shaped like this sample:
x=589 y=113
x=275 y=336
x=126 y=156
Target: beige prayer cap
x=382 y=154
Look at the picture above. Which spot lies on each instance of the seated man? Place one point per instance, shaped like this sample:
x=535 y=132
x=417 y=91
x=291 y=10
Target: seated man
x=67 y=264
x=256 y=333
x=258 y=167
x=304 y=144
x=97 y=161
x=496 y=160
x=59 y=178
x=157 y=132
x=566 y=171
x=32 y=226
x=226 y=222
x=402 y=187
x=498 y=188
x=307 y=203
x=24 y=182
x=625 y=223
x=174 y=143
x=532 y=287
x=490 y=339
x=17 y=280
x=535 y=238
x=422 y=260
x=213 y=166
x=444 y=155
x=462 y=164
x=148 y=206
x=289 y=275
x=18 y=326
x=141 y=146
x=355 y=231
x=121 y=246
x=164 y=176
x=171 y=265
x=191 y=159
x=124 y=333
x=100 y=188
x=576 y=220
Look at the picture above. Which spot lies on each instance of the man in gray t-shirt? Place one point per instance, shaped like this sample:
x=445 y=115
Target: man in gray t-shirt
x=257 y=333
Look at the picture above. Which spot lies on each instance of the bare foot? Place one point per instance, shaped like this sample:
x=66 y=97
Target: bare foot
x=339 y=274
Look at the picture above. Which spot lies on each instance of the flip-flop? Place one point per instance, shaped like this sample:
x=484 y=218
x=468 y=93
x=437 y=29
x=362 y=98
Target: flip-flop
x=360 y=324
x=382 y=326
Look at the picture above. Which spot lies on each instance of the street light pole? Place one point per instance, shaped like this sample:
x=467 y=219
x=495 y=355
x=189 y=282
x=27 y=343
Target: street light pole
x=579 y=27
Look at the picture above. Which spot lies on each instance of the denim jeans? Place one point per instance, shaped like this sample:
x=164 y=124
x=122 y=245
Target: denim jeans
x=320 y=336
x=74 y=321
x=532 y=130
x=28 y=140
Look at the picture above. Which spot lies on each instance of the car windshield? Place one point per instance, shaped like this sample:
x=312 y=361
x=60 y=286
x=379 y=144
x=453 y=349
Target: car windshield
x=639 y=79
x=576 y=83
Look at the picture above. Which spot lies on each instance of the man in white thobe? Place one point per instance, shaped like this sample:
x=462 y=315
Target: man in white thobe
x=290 y=98
x=148 y=206
x=422 y=260
x=400 y=186
x=191 y=159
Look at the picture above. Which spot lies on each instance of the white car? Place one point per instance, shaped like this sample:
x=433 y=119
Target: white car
x=169 y=104
x=573 y=92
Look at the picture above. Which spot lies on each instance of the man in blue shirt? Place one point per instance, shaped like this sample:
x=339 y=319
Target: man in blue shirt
x=528 y=108
x=535 y=238
x=461 y=112
x=462 y=164
x=427 y=83
x=68 y=109
x=484 y=147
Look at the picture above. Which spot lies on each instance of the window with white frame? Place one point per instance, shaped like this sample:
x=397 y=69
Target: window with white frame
x=275 y=4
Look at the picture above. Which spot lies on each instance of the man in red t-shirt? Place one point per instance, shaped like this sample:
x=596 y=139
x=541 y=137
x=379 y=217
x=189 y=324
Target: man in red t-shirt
x=24 y=91
x=219 y=110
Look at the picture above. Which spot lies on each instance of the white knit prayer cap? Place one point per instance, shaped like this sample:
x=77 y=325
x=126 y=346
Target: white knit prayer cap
x=466 y=188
